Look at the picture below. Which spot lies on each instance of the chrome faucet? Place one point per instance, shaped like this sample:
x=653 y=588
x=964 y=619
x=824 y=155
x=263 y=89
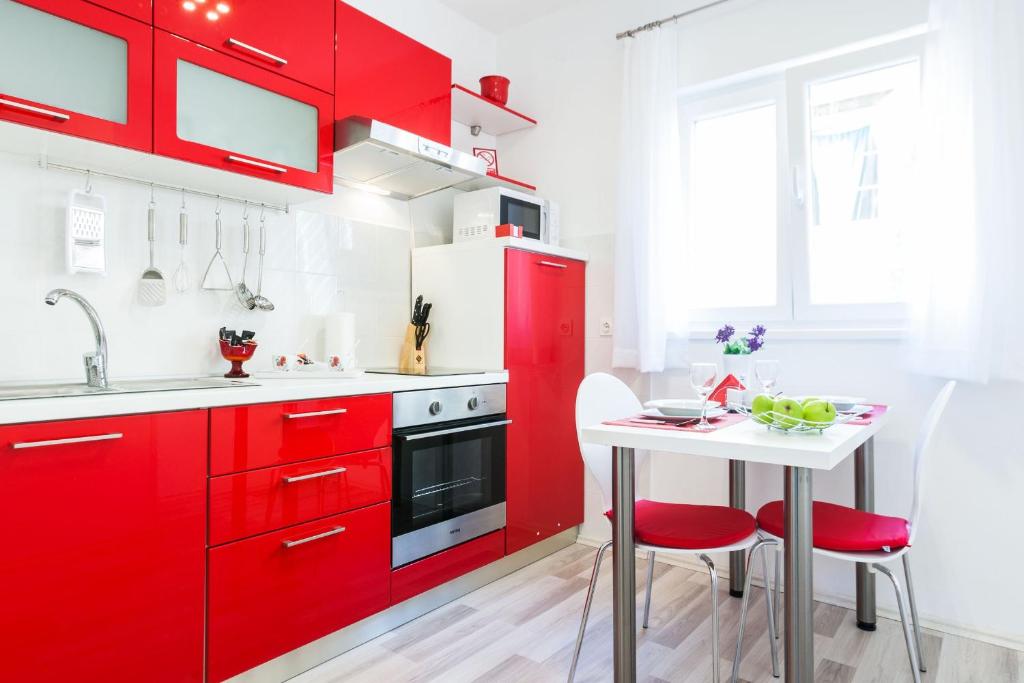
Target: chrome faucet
x=95 y=362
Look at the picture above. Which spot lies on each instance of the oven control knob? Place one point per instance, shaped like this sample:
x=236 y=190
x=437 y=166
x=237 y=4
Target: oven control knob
x=435 y=408
x=474 y=403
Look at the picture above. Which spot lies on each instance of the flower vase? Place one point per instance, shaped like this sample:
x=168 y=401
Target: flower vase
x=739 y=366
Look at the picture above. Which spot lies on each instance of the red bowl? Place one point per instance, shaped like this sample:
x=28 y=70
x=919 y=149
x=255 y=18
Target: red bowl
x=237 y=355
x=495 y=88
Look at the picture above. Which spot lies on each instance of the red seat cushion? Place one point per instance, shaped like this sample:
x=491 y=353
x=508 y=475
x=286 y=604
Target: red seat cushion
x=691 y=527
x=837 y=527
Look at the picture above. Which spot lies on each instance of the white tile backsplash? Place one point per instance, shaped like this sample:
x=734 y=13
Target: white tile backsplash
x=349 y=251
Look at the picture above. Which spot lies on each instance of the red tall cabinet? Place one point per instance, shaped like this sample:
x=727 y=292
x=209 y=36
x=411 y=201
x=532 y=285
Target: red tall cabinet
x=518 y=305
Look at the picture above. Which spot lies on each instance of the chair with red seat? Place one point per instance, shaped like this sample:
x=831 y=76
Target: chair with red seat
x=857 y=536
x=672 y=528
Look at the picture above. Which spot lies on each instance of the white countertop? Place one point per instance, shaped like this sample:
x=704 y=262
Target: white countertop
x=510 y=243
x=288 y=388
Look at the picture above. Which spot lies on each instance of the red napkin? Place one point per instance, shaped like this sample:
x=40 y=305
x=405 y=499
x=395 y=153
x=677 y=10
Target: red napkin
x=720 y=393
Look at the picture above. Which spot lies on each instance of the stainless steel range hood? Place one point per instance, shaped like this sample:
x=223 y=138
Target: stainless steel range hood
x=373 y=155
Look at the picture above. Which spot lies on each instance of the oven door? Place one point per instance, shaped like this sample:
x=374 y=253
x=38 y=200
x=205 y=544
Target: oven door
x=449 y=485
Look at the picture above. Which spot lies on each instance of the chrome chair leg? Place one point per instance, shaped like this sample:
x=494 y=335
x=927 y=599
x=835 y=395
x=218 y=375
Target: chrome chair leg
x=650 y=580
x=913 y=612
x=586 y=609
x=778 y=586
x=907 y=635
x=761 y=545
x=769 y=604
x=716 y=660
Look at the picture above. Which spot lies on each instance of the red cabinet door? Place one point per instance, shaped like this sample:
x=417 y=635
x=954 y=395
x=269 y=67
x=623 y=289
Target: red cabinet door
x=136 y=9
x=103 y=570
x=385 y=75
x=294 y=39
x=544 y=318
x=273 y=593
x=73 y=67
x=220 y=111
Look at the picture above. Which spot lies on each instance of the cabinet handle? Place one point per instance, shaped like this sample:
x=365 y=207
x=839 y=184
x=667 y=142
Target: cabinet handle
x=316 y=413
x=551 y=264
x=258 y=164
x=314 y=475
x=239 y=45
x=64 y=442
x=456 y=430
x=60 y=116
x=315 y=537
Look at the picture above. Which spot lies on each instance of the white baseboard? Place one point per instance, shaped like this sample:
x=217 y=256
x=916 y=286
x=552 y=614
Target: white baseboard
x=940 y=625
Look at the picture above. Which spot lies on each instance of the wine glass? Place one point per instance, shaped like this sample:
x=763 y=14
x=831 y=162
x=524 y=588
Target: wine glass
x=767 y=372
x=702 y=379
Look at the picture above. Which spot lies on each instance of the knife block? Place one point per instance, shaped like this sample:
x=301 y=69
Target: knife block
x=411 y=360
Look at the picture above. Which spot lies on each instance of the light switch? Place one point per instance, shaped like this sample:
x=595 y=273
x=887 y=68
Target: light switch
x=606 y=327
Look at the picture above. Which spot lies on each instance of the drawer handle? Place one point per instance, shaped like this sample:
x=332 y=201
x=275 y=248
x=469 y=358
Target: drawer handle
x=258 y=164
x=315 y=413
x=239 y=45
x=60 y=116
x=551 y=264
x=64 y=442
x=456 y=430
x=314 y=475
x=315 y=537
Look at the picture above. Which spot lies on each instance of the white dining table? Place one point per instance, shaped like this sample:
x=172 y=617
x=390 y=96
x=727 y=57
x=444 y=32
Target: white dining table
x=747 y=441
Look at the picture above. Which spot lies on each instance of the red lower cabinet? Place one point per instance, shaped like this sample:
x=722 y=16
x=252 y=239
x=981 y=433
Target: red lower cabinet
x=102 y=571
x=421 y=576
x=273 y=593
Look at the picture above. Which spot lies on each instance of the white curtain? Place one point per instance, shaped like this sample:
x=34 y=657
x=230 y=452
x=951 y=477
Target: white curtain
x=649 y=234
x=967 y=273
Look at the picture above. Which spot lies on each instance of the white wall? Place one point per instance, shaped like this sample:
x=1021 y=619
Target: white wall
x=566 y=71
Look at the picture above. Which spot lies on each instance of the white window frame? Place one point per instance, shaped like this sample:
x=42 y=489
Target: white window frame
x=787 y=89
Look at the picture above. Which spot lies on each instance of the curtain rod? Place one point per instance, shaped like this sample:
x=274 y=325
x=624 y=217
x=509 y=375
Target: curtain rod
x=655 y=24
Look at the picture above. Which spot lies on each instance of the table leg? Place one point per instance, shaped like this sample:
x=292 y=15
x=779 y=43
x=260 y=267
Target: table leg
x=864 y=499
x=737 y=499
x=623 y=566
x=799 y=638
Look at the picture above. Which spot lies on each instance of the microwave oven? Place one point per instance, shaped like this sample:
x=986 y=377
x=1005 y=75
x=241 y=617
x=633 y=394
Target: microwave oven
x=478 y=214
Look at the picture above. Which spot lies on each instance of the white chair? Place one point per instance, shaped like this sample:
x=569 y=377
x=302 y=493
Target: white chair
x=662 y=527
x=857 y=536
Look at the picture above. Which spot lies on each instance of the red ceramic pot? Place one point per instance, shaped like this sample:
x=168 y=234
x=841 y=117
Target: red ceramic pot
x=495 y=88
x=237 y=355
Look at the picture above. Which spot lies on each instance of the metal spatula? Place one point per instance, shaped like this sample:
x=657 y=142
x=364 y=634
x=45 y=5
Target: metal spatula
x=152 y=285
x=218 y=277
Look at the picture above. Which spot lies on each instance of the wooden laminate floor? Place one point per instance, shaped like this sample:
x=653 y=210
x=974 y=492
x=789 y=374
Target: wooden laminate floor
x=523 y=628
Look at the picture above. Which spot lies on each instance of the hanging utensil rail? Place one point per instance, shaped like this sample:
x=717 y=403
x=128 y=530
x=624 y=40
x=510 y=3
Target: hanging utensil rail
x=44 y=163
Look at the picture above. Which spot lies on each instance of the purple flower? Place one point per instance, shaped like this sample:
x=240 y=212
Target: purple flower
x=755 y=343
x=758 y=331
x=725 y=334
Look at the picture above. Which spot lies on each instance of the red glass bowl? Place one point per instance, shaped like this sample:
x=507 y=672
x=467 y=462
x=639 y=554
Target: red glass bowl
x=237 y=355
x=495 y=88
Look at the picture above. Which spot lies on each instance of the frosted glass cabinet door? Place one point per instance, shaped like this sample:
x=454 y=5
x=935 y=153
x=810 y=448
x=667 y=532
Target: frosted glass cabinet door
x=221 y=111
x=73 y=67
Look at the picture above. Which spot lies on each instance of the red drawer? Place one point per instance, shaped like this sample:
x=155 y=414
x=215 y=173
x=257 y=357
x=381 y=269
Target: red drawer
x=289 y=38
x=247 y=437
x=415 y=578
x=251 y=503
x=266 y=598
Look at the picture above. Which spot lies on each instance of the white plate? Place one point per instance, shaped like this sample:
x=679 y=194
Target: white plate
x=655 y=413
x=843 y=404
x=675 y=407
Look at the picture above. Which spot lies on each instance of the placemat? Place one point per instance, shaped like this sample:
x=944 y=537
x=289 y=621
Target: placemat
x=643 y=421
x=877 y=409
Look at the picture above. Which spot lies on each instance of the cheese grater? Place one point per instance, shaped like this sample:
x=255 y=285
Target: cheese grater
x=85 y=251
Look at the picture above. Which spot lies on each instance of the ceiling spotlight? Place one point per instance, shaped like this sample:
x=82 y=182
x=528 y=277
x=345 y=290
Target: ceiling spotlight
x=212 y=16
x=223 y=7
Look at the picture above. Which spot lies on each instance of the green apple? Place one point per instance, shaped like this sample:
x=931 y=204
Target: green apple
x=763 y=403
x=806 y=401
x=788 y=413
x=819 y=413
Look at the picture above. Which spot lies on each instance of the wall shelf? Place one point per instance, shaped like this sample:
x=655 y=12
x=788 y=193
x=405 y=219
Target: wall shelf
x=471 y=109
x=496 y=181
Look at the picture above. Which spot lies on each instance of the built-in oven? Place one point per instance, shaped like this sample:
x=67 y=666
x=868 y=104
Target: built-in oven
x=448 y=468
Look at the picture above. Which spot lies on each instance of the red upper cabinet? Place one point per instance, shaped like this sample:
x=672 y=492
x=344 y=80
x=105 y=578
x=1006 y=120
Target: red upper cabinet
x=73 y=67
x=103 y=571
x=544 y=333
x=294 y=39
x=385 y=75
x=136 y=9
x=220 y=111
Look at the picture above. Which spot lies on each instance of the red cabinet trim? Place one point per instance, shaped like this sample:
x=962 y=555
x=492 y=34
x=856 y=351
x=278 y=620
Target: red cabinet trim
x=136 y=9
x=421 y=576
x=169 y=49
x=137 y=131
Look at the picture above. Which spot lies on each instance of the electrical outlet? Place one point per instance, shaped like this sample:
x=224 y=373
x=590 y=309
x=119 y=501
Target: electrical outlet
x=606 y=327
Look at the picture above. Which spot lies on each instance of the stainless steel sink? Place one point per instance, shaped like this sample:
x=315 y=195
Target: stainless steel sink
x=13 y=392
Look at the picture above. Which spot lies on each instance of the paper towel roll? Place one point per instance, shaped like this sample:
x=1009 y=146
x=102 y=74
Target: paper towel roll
x=339 y=334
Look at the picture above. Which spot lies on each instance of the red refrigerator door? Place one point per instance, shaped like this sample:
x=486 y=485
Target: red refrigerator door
x=544 y=333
